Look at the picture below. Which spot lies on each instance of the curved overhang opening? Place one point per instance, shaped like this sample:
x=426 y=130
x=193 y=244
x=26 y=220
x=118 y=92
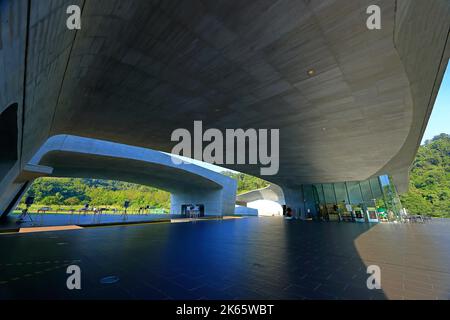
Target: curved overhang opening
x=60 y=195
x=185 y=184
x=267 y=208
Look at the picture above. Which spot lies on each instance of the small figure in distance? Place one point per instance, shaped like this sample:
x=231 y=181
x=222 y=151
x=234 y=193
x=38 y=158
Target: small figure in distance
x=289 y=214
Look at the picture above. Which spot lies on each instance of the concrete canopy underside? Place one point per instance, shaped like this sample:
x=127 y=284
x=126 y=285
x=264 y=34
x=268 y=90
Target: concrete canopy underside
x=139 y=69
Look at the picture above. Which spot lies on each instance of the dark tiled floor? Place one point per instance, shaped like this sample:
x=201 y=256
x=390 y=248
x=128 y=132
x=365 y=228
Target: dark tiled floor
x=253 y=258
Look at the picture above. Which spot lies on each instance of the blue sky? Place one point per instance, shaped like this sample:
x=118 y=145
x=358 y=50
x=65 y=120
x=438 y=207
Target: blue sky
x=440 y=116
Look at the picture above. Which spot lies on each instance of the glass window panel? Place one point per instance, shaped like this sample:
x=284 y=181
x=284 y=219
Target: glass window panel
x=320 y=193
x=354 y=193
x=366 y=192
x=341 y=193
x=308 y=193
x=329 y=193
x=376 y=190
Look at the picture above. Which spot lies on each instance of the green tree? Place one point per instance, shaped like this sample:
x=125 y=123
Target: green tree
x=429 y=187
x=246 y=182
x=72 y=201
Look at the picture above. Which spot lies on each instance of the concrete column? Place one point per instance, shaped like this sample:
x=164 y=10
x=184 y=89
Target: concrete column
x=216 y=202
x=14 y=185
x=11 y=193
x=294 y=199
x=8 y=188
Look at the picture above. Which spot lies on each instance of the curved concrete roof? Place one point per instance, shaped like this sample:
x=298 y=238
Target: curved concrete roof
x=139 y=69
x=271 y=192
x=71 y=156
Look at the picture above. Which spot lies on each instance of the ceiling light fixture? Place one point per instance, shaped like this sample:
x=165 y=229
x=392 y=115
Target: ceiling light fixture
x=311 y=72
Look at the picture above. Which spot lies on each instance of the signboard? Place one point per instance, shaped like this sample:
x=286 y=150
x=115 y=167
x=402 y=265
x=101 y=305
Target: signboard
x=372 y=214
x=359 y=214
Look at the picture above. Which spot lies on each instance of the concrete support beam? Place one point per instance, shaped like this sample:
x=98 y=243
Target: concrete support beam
x=32 y=171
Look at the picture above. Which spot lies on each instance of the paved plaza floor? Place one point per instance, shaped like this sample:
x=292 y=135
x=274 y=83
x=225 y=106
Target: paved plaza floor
x=249 y=258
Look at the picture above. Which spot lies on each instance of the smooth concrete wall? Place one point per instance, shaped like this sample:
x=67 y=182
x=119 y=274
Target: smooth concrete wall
x=48 y=43
x=229 y=196
x=212 y=201
x=12 y=70
x=424 y=49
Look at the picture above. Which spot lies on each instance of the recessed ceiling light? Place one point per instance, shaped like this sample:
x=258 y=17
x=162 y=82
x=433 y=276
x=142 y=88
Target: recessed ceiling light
x=311 y=72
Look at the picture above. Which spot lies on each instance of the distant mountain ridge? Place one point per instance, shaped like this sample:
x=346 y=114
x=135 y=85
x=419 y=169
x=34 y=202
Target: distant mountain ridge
x=96 y=192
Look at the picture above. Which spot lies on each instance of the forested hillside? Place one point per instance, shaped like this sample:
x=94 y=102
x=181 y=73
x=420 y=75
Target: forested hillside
x=75 y=192
x=246 y=182
x=429 y=187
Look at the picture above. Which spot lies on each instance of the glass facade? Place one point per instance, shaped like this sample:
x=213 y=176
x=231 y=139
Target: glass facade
x=354 y=192
x=319 y=190
x=375 y=188
x=328 y=190
x=341 y=192
x=366 y=192
x=390 y=195
x=333 y=200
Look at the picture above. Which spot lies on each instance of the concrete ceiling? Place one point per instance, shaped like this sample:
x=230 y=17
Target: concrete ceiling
x=139 y=69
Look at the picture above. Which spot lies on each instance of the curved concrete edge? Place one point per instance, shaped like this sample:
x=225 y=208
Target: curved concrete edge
x=425 y=70
x=75 y=144
x=218 y=199
x=272 y=192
